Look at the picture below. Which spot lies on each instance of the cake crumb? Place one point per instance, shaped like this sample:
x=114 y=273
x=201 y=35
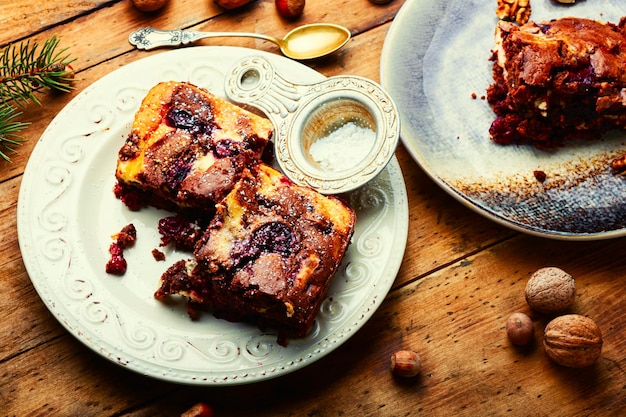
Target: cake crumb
x=158 y=255
x=540 y=175
x=117 y=264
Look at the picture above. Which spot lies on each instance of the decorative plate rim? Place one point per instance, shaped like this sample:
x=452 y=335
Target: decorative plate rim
x=66 y=215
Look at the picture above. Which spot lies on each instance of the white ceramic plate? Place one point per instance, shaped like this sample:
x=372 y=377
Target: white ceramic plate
x=67 y=213
x=436 y=55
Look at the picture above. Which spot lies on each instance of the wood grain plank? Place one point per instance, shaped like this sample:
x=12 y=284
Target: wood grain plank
x=441 y=230
x=461 y=278
x=26 y=321
x=20 y=19
x=455 y=320
x=8 y=227
x=38 y=383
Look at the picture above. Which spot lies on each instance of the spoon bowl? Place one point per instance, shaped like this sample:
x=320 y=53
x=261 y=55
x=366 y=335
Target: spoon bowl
x=305 y=42
x=313 y=41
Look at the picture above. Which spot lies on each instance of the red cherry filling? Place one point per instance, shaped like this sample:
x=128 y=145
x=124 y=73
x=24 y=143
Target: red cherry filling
x=181 y=232
x=272 y=237
x=117 y=264
x=183 y=119
x=227 y=147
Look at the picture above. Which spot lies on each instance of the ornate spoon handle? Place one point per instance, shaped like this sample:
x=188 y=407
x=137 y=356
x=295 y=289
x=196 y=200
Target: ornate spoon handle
x=150 y=38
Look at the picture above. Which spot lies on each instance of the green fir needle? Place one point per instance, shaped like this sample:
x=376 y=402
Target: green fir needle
x=26 y=68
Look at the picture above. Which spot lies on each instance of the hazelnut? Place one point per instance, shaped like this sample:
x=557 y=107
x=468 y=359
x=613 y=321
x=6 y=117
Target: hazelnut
x=573 y=340
x=519 y=329
x=232 y=4
x=405 y=363
x=290 y=9
x=149 y=5
x=199 y=410
x=550 y=290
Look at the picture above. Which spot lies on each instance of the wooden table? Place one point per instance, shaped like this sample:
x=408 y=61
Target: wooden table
x=462 y=275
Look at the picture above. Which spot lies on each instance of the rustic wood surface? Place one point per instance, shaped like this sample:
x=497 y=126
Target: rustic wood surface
x=462 y=275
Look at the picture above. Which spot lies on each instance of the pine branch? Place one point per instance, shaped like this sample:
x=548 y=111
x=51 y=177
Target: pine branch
x=25 y=69
x=9 y=129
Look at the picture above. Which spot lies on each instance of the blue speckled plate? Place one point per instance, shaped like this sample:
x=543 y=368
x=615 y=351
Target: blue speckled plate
x=435 y=64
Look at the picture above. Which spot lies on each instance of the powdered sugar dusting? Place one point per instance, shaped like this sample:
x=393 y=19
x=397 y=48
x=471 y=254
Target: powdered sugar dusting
x=344 y=147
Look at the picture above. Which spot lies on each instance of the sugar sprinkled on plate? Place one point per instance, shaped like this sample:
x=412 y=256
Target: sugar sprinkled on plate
x=344 y=147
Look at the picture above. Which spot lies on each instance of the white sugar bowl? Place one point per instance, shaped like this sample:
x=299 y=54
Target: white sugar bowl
x=334 y=135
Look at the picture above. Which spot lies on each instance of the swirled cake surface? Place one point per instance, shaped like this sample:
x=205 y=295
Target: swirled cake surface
x=268 y=255
x=187 y=148
x=558 y=80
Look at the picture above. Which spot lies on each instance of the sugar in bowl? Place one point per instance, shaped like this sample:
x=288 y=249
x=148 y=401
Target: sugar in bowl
x=334 y=135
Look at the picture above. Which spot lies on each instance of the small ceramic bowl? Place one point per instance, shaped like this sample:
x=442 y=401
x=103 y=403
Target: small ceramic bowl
x=334 y=135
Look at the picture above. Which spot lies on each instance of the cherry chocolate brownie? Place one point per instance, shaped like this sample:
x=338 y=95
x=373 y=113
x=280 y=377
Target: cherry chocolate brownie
x=268 y=255
x=558 y=80
x=264 y=249
x=187 y=148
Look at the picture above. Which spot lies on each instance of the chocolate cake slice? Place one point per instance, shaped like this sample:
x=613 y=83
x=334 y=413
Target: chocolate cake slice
x=268 y=256
x=558 y=80
x=187 y=148
x=264 y=249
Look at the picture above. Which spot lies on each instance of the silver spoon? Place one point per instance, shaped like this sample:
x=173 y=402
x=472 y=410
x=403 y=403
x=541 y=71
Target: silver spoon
x=304 y=42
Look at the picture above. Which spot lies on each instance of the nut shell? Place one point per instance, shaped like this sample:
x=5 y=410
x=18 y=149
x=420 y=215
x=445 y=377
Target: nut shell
x=149 y=5
x=550 y=290
x=290 y=9
x=573 y=340
x=519 y=329
x=405 y=363
x=232 y=4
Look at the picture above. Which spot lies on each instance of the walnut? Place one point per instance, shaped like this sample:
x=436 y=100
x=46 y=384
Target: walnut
x=517 y=11
x=573 y=340
x=619 y=165
x=550 y=290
